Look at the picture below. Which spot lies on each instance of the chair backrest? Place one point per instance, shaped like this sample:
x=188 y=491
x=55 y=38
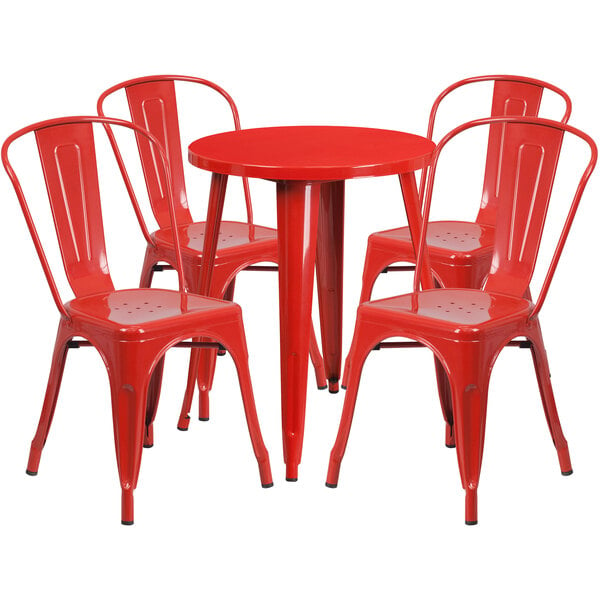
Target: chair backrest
x=153 y=106
x=528 y=162
x=67 y=152
x=513 y=96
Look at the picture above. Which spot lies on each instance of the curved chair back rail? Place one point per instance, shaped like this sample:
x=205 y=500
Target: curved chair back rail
x=67 y=153
x=531 y=148
x=153 y=106
x=513 y=95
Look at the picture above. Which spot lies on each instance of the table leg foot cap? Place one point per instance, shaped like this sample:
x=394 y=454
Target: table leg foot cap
x=32 y=473
x=291 y=479
x=148 y=445
x=203 y=418
x=470 y=522
x=126 y=522
x=330 y=485
x=267 y=485
x=567 y=473
x=450 y=445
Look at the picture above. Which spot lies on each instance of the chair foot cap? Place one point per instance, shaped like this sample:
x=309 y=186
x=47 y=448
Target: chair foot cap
x=182 y=428
x=148 y=445
x=267 y=485
x=450 y=445
x=567 y=473
x=126 y=522
x=470 y=522
x=32 y=473
x=322 y=387
x=330 y=485
x=343 y=387
x=203 y=418
x=291 y=479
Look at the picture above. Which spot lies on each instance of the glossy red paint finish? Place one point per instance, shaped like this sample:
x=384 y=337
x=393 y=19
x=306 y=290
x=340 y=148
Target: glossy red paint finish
x=297 y=204
x=330 y=272
x=309 y=165
x=461 y=251
x=311 y=153
x=153 y=105
x=133 y=328
x=467 y=328
x=456 y=258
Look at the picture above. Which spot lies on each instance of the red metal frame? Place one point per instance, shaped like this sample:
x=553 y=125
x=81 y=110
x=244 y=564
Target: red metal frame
x=133 y=328
x=467 y=328
x=153 y=105
x=461 y=252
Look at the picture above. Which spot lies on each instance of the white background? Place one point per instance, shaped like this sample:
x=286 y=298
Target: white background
x=204 y=527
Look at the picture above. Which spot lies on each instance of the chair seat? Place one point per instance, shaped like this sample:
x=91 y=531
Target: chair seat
x=455 y=241
x=232 y=236
x=461 y=313
x=129 y=313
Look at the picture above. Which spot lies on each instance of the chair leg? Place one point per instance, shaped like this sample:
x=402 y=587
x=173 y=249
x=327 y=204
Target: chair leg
x=376 y=259
x=542 y=371
x=184 y=415
x=220 y=288
x=232 y=336
x=59 y=358
x=317 y=360
x=469 y=374
x=192 y=276
x=152 y=402
x=147 y=272
x=156 y=381
x=362 y=344
x=229 y=292
x=445 y=394
x=129 y=374
x=463 y=278
x=206 y=375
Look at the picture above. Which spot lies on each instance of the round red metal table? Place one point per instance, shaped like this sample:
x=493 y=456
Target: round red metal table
x=310 y=165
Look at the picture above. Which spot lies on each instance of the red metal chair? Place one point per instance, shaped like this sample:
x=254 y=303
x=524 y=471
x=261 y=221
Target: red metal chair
x=467 y=328
x=460 y=251
x=132 y=328
x=153 y=105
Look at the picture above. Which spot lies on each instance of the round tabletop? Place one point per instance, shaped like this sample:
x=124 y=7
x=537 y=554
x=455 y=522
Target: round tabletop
x=311 y=153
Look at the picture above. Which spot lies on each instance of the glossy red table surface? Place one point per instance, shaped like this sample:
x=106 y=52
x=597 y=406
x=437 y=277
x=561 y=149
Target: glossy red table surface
x=311 y=153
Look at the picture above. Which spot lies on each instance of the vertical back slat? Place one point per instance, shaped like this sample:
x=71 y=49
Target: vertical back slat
x=510 y=99
x=153 y=106
x=68 y=158
x=528 y=164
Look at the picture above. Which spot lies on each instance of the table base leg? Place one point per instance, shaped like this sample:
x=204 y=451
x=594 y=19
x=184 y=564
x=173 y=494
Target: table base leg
x=297 y=220
x=330 y=267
